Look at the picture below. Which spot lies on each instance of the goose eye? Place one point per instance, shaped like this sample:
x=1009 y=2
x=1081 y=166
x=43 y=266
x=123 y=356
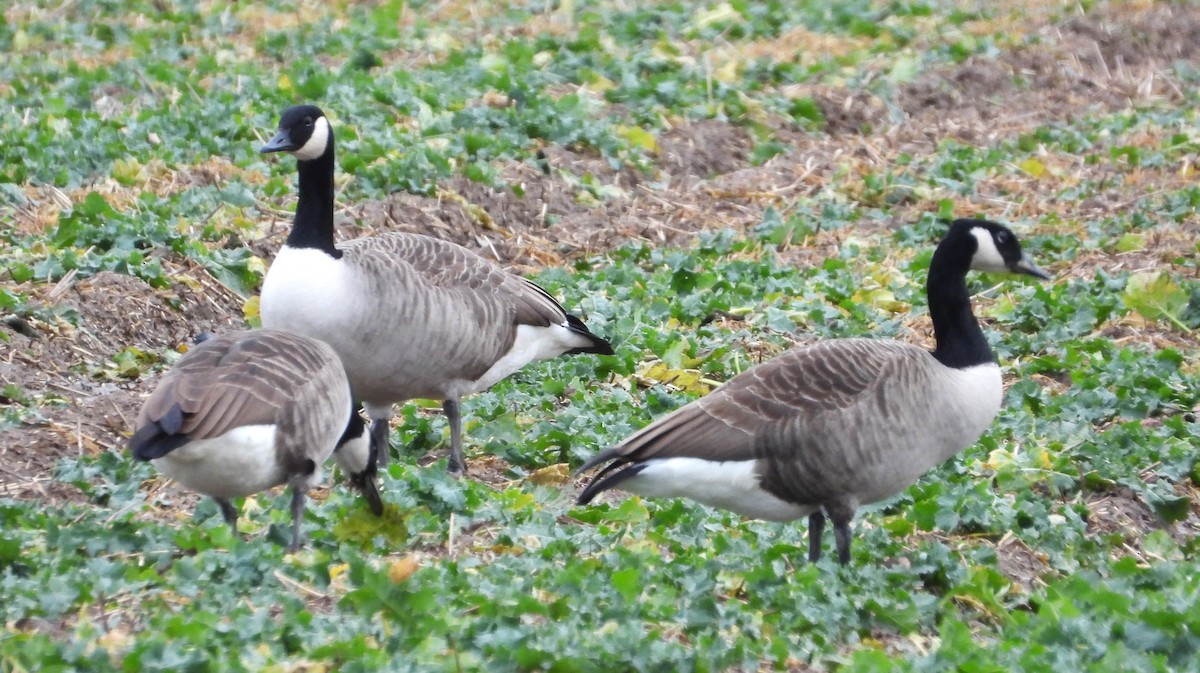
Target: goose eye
x=1002 y=237
x=308 y=121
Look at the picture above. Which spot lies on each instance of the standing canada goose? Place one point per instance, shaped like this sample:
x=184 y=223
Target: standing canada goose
x=824 y=429
x=245 y=411
x=411 y=316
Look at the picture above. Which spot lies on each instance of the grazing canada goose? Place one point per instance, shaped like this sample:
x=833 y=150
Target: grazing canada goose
x=411 y=316
x=245 y=411
x=824 y=429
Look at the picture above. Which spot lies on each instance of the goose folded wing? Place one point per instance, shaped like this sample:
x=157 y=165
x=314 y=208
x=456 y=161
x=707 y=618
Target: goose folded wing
x=231 y=383
x=456 y=271
x=774 y=399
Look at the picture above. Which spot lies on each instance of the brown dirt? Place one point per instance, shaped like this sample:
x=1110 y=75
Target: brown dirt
x=87 y=406
x=1022 y=565
x=1121 y=513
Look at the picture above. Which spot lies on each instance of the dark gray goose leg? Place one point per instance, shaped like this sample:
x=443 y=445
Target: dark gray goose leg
x=297 y=517
x=841 y=514
x=229 y=513
x=816 y=527
x=379 y=442
x=365 y=483
x=456 y=467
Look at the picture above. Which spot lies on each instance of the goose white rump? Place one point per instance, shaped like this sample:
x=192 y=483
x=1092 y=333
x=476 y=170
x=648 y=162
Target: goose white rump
x=239 y=462
x=730 y=484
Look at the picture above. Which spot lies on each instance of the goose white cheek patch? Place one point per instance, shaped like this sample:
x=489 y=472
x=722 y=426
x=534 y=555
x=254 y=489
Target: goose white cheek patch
x=987 y=257
x=317 y=142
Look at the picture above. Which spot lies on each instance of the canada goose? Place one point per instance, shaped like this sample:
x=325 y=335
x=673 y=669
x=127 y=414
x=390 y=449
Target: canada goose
x=411 y=316
x=826 y=428
x=245 y=411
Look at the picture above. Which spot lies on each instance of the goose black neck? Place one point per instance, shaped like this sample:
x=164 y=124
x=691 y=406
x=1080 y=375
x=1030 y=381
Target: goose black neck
x=960 y=342
x=313 y=227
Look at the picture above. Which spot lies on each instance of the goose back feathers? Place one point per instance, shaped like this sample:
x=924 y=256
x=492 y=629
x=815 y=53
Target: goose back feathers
x=826 y=428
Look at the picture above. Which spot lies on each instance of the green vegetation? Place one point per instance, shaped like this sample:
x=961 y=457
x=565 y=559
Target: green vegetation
x=1065 y=539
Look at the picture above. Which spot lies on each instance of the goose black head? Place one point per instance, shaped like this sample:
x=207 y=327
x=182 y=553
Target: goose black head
x=997 y=249
x=353 y=455
x=303 y=132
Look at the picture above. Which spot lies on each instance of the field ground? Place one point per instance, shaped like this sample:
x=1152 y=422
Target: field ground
x=708 y=184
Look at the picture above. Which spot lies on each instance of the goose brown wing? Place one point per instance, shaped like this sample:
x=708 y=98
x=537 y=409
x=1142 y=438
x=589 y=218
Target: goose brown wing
x=233 y=380
x=475 y=282
x=749 y=416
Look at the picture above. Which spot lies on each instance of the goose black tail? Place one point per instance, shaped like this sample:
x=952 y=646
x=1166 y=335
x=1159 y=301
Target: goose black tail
x=608 y=478
x=158 y=438
x=151 y=442
x=598 y=346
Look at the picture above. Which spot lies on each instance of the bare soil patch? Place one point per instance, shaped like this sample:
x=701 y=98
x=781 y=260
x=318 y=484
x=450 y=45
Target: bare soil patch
x=1123 y=514
x=88 y=407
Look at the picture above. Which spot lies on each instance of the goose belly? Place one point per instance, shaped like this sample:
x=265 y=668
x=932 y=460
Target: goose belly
x=239 y=462
x=732 y=485
x=951 y=418
x=411 y=357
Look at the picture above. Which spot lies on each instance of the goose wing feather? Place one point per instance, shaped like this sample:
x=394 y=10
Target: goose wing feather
x=466 y=277
x=774 y=409
x=243 y=378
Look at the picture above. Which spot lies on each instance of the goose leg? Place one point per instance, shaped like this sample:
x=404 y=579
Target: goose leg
x=841 y=514
x=365 y=483
x=456 y=467
x=297 y=517
x=379 y=442
x=816 y=526
x=229 y=513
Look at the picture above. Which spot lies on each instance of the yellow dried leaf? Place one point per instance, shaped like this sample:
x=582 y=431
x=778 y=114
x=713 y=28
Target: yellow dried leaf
x=128 y=171
x=551 y=475
x=336 y=571
x=21 y=41
x=599 y=84
x=880 y=298
x=722 y=13
x=256 y=265
x=639 y=137
x=507 y=549
x=1033 y=167
x=687 y=380
x=544 y=597
x=997 y=459
x=190 y=281
x=250 y=310
x=403 y=568
x=115 y=640
x=1043 y=460
x=730 y=71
